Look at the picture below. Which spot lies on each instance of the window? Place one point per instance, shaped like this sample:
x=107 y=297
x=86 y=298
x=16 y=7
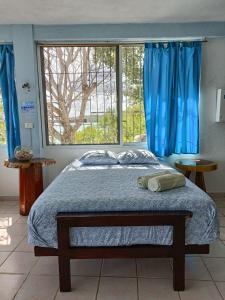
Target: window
x=83 y=97
x=2 y=123
x=133 y=102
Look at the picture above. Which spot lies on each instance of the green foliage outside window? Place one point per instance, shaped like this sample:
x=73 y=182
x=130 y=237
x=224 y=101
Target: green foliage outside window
x=81 y=91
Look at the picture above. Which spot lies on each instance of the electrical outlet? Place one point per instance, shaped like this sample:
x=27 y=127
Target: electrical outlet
x=29 y=125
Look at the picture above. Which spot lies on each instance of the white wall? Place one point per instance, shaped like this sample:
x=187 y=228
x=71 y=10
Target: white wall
x=212 y=135
x=213 y=77
x=9 y=178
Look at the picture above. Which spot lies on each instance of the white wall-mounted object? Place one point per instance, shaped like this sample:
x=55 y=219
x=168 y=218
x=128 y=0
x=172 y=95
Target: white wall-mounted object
x=220 y=105
x=29 y=125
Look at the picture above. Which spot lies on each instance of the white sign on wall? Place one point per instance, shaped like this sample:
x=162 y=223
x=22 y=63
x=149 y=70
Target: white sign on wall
x=28 y=106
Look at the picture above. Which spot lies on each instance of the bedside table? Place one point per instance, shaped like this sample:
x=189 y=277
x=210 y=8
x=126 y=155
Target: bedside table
x=199 y=166
x=31 y=180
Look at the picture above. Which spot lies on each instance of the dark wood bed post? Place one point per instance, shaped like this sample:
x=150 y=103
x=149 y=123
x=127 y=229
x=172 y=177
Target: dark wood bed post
x=63 y=256
x=177 y=250
x=168 y=218
x=179 y=255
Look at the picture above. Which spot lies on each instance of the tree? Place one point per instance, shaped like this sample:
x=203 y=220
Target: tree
x=70 y=79
x=134 y=127
x=133 y=114
x=73 y=75
x=132 y=61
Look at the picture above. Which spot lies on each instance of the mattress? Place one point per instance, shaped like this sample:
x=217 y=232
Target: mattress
x=81 y=188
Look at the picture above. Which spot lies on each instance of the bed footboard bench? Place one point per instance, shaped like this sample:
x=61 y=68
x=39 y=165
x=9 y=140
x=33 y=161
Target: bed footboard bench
x=177 y=250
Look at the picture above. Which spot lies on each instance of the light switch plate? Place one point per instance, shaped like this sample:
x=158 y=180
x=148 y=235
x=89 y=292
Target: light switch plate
x=29 y=125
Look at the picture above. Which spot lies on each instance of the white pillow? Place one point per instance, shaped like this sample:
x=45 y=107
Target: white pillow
x=99 y=157
x=138 y=156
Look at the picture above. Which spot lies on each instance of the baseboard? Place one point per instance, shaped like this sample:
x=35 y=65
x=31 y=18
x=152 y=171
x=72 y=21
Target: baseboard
x=9 y=198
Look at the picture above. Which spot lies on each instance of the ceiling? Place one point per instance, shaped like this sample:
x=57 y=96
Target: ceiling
x=110 y=11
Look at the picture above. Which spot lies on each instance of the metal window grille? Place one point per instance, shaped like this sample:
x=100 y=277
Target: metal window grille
x=82 y=98
x=133 y=99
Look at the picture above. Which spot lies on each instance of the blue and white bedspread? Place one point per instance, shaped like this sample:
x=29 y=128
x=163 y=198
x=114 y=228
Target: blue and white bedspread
x=114 y=188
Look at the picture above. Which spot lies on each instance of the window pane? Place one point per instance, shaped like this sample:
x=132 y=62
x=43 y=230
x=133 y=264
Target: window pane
x=133 y=99
x=81 y=95
x=2 y=123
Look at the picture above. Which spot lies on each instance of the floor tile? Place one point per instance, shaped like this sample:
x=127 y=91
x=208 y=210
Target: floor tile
x=24 y=246
x=195 y=269
x=18 y=262
x=216 y=267
x=200 y=290
x=38 y=288
x=7 y=242
x=17 y=229
x=3 y=256
x=10 y=208
x=154 y=267
x=221 y=287
x=46 y=266
x=11 y=204
x=222 y=221
x=156 y=289
x=119 y=267
x=9 y=199
x=217 y=249
x=9 y=285
x=115 y=288
x=10 y=211
x=217 y=195
x=221 y=210
x=222 y=233
x=22 y=219
x=7 y=220
x=220 y=203
x=86 y=267
x=83 y=288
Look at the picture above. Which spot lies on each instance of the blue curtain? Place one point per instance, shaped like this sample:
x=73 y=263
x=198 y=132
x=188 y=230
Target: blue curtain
x=171 y=97
x=8 y=89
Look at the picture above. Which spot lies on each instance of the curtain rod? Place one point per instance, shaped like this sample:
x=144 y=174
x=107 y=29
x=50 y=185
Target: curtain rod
x=116 y=42
x=178 y=40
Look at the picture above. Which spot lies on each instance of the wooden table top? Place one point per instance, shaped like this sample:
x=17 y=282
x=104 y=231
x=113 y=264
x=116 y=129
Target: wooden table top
x=197 y=165
x=41 y=161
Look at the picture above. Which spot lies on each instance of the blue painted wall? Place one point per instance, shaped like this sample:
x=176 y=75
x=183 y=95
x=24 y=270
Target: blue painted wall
x=25 y=38
x=129 y=31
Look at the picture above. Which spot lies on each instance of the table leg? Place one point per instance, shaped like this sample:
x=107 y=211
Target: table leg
x=31 y=186
x=38 y=181
x=199 y=180
x=187 y=174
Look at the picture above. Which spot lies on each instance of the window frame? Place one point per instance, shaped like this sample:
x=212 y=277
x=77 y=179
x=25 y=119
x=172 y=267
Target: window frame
x=2 y=146
x=119 y=92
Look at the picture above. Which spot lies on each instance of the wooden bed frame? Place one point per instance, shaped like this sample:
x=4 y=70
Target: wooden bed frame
x=176 y=251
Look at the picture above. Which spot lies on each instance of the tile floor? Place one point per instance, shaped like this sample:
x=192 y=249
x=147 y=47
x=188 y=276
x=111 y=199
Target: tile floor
x=26 y=277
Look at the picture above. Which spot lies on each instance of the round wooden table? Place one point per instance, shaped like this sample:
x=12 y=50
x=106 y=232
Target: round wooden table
x=199 y=166
x=31 y=180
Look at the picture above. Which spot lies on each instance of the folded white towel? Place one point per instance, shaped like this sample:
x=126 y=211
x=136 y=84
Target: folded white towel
x=142 y=181
x=166 y=182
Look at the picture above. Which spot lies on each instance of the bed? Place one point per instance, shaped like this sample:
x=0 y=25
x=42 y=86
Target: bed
x=98 y=211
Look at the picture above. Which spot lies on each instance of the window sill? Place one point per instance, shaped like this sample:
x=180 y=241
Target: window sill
x=100 y=146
